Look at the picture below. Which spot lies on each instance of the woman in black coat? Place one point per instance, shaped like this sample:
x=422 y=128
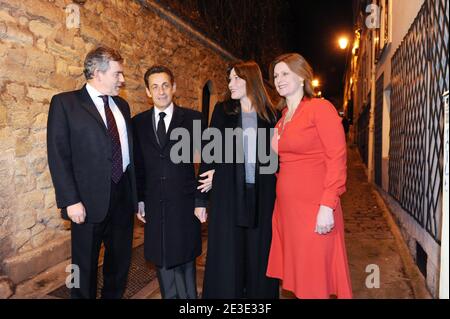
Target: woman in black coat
x=243 y=191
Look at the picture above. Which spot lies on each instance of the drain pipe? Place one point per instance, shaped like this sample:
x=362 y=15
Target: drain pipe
x=443 y=293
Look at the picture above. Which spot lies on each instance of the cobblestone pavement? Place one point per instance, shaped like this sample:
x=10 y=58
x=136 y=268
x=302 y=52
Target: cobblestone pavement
x=369 y=238
x=370 y=241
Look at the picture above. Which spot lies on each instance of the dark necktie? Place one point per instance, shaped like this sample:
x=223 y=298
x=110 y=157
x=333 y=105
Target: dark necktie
x=161 y=129
x=117 y=169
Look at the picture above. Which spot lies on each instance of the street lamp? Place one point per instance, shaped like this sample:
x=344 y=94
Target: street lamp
x=343 y=42
x=315 y=83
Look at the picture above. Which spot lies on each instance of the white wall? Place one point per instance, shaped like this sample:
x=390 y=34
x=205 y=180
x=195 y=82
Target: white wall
x=403 y=13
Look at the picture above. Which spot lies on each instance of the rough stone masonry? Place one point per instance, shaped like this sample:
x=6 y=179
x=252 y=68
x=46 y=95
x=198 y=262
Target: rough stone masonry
x=41 y=56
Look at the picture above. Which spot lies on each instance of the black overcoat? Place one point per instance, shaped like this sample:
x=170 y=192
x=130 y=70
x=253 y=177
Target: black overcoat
x=227 y=202
x=172 y=233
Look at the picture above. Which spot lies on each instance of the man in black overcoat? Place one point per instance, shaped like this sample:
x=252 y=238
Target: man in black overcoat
x=167 y=188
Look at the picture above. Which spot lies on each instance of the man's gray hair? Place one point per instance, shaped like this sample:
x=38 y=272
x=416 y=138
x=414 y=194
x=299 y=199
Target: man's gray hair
x=98 y=59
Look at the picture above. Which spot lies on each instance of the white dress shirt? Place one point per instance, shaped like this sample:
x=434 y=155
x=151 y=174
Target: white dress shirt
x=167 y=118
x=118 y=117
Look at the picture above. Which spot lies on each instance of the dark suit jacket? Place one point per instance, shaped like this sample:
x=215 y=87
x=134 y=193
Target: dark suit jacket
x=79 y=154
x=172 y=232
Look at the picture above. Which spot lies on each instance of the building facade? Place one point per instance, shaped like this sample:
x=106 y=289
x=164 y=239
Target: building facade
x=394 y=92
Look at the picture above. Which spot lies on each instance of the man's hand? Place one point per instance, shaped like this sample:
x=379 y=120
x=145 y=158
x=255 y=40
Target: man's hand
x=200 y=213
x=77 y=213
x=325 y=220
x=141 y=212
x=207 y=182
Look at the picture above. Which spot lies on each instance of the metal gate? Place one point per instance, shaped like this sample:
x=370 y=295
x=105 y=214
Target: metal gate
x=419 y=78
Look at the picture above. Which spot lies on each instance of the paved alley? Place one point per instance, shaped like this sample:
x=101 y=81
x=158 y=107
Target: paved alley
x=370 y=241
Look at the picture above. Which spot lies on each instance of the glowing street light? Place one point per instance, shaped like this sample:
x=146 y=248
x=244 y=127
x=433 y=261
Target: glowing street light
x=315 y=83
x=343 y=42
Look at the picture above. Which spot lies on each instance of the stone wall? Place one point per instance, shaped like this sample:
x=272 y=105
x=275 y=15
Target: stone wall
x=40 y=56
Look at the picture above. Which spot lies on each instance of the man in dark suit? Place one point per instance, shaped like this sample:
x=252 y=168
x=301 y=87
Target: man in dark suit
x=90 y=156
x=167 y=190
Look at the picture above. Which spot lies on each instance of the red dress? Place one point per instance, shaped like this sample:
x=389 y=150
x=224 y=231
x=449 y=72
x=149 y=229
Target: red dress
x=313 y=159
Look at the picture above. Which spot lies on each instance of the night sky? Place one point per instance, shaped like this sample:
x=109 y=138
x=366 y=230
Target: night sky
x=315 y=26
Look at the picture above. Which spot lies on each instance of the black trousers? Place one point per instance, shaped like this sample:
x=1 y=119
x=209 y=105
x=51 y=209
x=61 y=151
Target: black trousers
x=252 y=282
x=178 y=282
x=116 y=233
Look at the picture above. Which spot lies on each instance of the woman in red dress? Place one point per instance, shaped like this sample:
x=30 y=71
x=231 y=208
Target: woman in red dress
x=308 y=250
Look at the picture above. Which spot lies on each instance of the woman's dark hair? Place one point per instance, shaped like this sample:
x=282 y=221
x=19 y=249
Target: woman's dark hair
x=256 y=91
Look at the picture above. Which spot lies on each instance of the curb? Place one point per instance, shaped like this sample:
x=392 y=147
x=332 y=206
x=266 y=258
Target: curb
x=418 y=283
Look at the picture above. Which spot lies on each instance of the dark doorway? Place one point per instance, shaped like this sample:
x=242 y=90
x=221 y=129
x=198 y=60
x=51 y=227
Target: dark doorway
x=206 y=100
